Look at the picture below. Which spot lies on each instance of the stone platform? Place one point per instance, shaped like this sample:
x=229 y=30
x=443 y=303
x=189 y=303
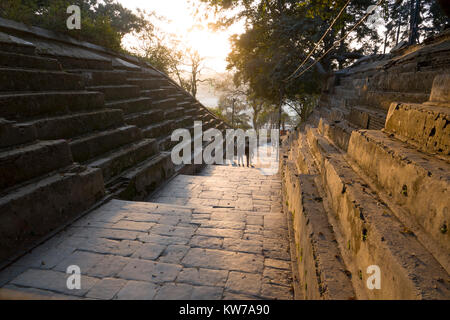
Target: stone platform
x=219 y=235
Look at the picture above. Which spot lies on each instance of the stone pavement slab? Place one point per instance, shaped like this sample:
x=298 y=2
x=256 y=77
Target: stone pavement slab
x=218 y=235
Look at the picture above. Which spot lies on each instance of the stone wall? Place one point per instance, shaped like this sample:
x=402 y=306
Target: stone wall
x=367 y=179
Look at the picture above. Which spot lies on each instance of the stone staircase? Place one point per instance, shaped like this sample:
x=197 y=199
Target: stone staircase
x=79 y=125
x=368 y=184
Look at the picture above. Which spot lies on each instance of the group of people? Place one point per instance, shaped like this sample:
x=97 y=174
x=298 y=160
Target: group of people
x=248 y=154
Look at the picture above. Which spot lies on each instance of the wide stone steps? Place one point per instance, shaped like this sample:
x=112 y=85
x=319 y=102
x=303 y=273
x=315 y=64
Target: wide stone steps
x=148 y=84
x=413 y=180
x=145 y=118
x=138 y=182
x=10 y=43
x=165 y=143
x=184 y=122
x=173 y=113
x=423 y=125
x=155 y=94
x=338 y=132
x=26 y=105
x=77 y=124
x=159 y=129
x=56 y=199
x=97 y=143
x=164 y=104
x=367 y=118
x=103 y=106
x=130 y=105
x=117 y=92
x=101 y=77
x=115 y=162
x=12 y=133
x=15 y=79
x=409 y=81
x=17 y=60
x=420 y=81
x=45 y=156
x=372 y=234
x=383 y=99
x=317 y=248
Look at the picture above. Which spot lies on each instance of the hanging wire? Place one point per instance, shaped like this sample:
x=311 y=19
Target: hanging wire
x=337 y=42
x=318 y=42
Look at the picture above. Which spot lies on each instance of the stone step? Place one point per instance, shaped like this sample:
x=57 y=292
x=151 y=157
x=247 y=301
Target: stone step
x=144 y=178
x=338 y=132
x=17 y=60
x=165 y=143
x=115 y=162
x=10 y=43
x=174 y=113
x=178 y=96
x=77 y=124
x=423 y=125
x=117 y=92
x=372 y=235
x=155 y=94
x=344 y=92
x=184 y=122
x=367 y=118
x=193 y=112
x=303 y=158
x=32 y=211
x=143 y=119
x=97 y=143
x=414 y=180
x=158 y=129
x=75 y=63
x=102 y=77
x=440 y=92
x=164 y=104
x=184 y=104
x=18 y=106
x=321 y=270
x=148 y=84
x=383 y=99
x=12 y=79
x=12 y=133
x=27 y=162
x=131 y=105
x=419 y=82
x=171 y=88
x=147 y=74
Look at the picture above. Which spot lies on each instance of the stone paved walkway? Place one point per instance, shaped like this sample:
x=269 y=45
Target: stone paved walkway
x=218 y=235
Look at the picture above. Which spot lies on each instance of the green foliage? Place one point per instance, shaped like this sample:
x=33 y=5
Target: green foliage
x=102 y=22
x=279 y=35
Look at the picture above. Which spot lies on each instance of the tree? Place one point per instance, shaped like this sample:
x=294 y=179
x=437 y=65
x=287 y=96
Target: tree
x=279 y=35
x=196 y=65
x=103 y=22
x=303 y=105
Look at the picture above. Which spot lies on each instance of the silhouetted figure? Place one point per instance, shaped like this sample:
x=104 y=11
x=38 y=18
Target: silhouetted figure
x=247 y=150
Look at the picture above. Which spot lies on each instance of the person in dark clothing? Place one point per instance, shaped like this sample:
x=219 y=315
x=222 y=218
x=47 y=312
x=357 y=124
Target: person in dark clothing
x=247 y=150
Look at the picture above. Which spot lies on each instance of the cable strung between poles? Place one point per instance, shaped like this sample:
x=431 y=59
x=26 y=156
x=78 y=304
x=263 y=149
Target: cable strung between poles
x=318 y=42
x=339 y=40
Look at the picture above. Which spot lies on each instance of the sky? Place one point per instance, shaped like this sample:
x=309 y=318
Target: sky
x=213 y=45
